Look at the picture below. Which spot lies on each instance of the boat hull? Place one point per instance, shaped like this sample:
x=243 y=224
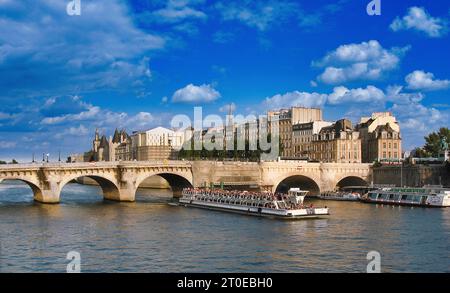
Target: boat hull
x=313 y=213
x=401 y=203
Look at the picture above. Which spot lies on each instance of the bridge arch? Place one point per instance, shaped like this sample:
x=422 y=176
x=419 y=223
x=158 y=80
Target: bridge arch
x=176 y=181
x=351 y=181
x=110 y=190
x=37 y=191
x=299 y=181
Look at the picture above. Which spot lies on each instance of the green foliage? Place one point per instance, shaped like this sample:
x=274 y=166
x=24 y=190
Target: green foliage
x=433 y=145
x=421 y=153
x=2 y=162
x=14 y=161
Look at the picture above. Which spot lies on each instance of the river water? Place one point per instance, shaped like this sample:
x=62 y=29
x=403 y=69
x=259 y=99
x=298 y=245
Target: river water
x=151 y=236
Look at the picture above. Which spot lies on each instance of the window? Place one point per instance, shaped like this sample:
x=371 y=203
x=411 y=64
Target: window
x=395 y=145
x=384 y=145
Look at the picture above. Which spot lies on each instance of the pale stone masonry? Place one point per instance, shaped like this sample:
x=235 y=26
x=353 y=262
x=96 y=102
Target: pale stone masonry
x=303 y=135
x=338 y=143
x=286 y=119
x=380 y=137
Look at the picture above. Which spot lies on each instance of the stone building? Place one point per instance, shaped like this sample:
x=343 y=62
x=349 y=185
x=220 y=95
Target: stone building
x=380 y=138
x=121 y=146
x=286 y=119
x=303 y=135
x=156 y=144
x=338 y=143
x=116 y=148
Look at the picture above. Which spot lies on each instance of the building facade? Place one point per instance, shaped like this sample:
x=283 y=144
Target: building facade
x=116 y=148
x=338 y=143
x=380 y=137
x=303 y=135
x=286 y=118
x=156 y=144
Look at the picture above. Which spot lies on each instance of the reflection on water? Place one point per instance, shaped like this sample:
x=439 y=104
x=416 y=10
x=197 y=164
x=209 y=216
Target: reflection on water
x=151 y=236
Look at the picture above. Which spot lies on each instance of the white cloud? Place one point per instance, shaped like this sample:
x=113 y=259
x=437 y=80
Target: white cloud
x=81 y=130
x=195 y=94
x=364 y=61
x=178 y=10
x=91 y=113
x=101 y=48
x=257 y=14
x=370 y=94
x=394 y=94
x=141 y=120
x=420 y=80
x=296 y=98
x=418 y=19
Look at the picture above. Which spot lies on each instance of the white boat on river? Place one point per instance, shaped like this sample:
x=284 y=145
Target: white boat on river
x=436 y=197
x=264 y=204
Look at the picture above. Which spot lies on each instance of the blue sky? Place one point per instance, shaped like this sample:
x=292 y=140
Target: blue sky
x=135 y=64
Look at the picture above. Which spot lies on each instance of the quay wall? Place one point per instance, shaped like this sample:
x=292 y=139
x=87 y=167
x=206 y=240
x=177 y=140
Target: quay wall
x=413 y=176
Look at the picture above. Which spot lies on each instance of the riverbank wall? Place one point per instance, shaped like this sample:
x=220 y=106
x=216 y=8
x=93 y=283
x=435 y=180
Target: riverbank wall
x=413 y=175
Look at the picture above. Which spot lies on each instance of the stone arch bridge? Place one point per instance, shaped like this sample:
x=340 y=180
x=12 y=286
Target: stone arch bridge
x=119 y=181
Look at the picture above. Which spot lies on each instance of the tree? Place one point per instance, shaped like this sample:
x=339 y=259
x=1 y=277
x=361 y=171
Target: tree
x=14 y=161
x=420 y=153
x=433 y=146
x=2 y=162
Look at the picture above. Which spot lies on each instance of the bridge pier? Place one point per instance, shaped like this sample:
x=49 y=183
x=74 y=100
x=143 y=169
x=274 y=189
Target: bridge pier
x=46 y=194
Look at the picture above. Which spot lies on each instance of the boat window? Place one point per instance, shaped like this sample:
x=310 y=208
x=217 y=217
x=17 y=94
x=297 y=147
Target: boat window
x=404 y=196
x=410 y=197
x=391 y=196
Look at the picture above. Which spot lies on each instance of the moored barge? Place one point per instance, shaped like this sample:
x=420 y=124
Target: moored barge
x=437 y=197
x=288 y=206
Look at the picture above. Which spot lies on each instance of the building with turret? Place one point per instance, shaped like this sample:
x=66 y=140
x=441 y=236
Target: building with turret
x=116 y=148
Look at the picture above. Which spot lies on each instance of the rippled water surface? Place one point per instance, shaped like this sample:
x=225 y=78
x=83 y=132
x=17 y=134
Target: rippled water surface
x=151 y=236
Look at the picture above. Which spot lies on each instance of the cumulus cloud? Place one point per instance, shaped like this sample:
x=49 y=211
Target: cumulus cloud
x=420 y=80
x=364 y=61
x=395 y=94
x=296 y=98
x=369 y=94
x=418 y=19
x=196 y=94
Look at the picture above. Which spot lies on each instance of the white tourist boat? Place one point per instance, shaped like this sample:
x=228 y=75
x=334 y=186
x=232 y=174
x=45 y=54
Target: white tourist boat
x=424 y=197
x=340 y=196
x=267 y=204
